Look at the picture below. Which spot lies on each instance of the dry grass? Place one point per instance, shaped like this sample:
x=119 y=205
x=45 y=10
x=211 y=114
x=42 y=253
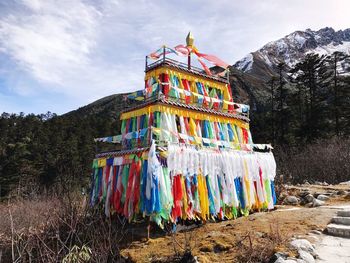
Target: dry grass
x=28 y=216
x=49 y=229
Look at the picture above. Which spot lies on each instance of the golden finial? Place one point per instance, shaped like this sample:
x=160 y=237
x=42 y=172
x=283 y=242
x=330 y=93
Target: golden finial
x=189 y=39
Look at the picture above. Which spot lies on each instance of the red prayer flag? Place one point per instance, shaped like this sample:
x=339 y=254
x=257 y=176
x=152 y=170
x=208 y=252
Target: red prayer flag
x=183 y=50
x=213 y=59
x=207 y=70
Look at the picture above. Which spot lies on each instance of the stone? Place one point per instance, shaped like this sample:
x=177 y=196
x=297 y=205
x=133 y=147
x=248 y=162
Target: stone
x=341 y=220
x=220 y=247
x=317 y=203
x=316 y=232
x=291 y=200
x=309 y=198
x=338 y=230
x=302 y=244
x=308 y=205
x=260 y=234
x=344 y=213
x=341 y=192
x=283 y=195
x=317 y=194
x=307 y=257
x=323 y=197
x=304 y=193
x=277 y=256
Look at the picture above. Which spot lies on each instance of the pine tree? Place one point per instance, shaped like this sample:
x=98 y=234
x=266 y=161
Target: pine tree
x=312 y=78
x=338 y=63
x=282 y=116
x=272 y=118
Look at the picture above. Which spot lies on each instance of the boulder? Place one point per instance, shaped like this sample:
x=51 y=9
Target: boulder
x=307 y=257
x=278 y=257
x=291 y=200
x=304 y=193
x=309 y=198
x=322 y=197
x=317 y=194
x=302 y=244
x=341 y=192
x=317 y=203
x=316 y=232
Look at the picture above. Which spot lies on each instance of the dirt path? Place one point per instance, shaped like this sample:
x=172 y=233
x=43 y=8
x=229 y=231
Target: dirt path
x=333 y=249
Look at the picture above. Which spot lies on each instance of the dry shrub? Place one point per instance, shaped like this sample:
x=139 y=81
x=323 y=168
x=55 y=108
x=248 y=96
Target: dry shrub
x=47 y=230
x=323 y=161
x=252 y=249
x=28 y=216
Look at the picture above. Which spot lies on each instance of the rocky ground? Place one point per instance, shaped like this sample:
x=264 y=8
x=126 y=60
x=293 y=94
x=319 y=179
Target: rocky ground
x=304 y=214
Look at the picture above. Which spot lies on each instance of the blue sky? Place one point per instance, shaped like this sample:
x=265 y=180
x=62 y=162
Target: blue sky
x=60 y=55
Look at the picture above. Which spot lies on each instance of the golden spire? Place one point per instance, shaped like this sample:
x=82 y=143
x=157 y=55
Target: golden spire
x=189 y=39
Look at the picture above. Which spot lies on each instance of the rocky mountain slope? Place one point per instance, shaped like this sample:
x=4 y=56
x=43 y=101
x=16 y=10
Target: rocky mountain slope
x=292 y=48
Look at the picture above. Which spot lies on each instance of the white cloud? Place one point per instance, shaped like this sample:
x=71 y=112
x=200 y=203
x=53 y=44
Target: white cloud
x=50 y=39
x=87 y=49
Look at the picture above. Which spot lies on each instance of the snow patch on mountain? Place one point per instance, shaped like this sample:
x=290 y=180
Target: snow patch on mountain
x=266 y=58
x=245 y=64
x=297 y=39
x=331 y=48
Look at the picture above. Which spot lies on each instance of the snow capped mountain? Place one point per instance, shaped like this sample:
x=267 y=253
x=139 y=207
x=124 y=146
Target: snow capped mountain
x=292 y=48
x=258 y=67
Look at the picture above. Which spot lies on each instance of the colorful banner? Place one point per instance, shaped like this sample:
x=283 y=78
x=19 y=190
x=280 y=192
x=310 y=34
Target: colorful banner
x=110 y=139
x=176 y=182
x=183 y=112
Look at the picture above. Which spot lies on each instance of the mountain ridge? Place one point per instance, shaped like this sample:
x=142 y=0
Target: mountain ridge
x=292 y=48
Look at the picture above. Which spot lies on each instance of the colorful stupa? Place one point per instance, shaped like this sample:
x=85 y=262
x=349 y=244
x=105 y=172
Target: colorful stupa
x=187 y=152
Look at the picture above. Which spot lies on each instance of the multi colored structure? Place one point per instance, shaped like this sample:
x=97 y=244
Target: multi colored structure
x=187 y=148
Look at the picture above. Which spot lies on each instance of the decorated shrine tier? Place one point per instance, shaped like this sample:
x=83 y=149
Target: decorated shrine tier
x=165 y=123
x=176 y=182
x=190 y=88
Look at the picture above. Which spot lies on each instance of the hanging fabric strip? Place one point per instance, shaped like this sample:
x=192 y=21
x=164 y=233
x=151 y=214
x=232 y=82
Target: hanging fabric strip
x=183 y=112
